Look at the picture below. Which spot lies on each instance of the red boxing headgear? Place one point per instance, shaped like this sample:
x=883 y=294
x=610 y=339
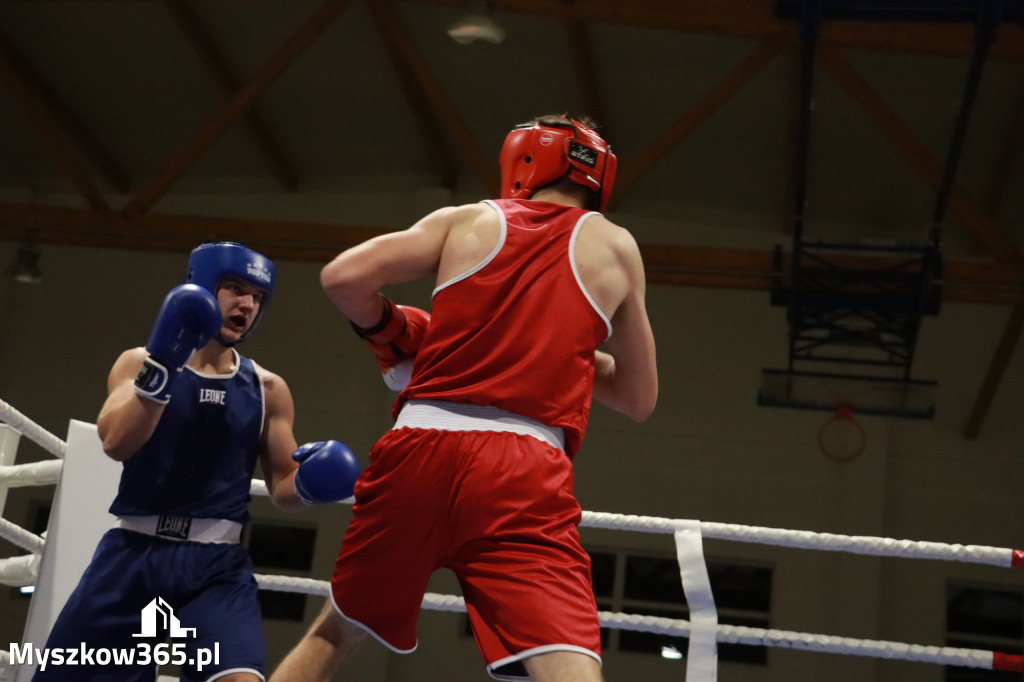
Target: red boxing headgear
x=537 y=154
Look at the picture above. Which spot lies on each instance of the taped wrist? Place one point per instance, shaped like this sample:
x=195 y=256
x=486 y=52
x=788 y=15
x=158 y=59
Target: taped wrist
x=392 y=325
x=154 y=381
x=301 y=492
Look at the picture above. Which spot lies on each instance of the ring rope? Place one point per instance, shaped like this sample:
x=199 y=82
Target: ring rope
x=804 y=539
x=20 y=571
x=855 y=544
x=19 y=536
x=34 y=432
x=728 y=634
x=45 y=473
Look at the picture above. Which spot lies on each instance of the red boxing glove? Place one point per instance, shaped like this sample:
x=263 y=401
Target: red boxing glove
x=395 y=340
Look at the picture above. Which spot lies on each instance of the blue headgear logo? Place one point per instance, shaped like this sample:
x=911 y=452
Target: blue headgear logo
x=259 y=271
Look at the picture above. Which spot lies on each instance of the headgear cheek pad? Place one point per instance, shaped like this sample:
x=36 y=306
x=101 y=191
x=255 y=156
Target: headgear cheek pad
x=208 y=264
x=536 y=155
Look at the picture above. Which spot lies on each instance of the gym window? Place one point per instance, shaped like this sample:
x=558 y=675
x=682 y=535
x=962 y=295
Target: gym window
x=650 y=585
x=986 y=618
x=284 y=550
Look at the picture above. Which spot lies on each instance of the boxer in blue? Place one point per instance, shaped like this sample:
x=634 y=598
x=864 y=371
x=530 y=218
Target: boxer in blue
x=189 y=417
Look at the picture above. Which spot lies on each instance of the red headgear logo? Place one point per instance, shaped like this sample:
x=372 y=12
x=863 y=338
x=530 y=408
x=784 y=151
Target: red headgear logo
x=537 y=154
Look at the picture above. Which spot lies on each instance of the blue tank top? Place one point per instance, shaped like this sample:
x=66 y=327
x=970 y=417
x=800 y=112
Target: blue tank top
x=200 y=460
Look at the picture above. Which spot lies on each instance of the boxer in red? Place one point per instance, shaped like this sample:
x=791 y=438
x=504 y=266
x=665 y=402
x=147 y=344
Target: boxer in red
x=495 y=390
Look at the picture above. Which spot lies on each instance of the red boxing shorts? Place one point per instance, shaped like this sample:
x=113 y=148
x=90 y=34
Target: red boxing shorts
x=496 y=508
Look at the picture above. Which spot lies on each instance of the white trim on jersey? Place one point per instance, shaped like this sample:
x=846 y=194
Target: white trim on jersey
x=263 y=397
x=494 y=668
x=576 y=272
x=479 y=266
x=237 y=365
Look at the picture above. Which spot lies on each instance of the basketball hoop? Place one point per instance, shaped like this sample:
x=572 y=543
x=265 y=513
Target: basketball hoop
x=842 y=438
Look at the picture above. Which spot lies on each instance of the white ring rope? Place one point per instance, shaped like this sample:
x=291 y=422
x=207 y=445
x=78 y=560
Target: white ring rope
x=45 y=473
x=805 y=539
x=19 y=571
x=34 y=432
x=25 y=475
x=21 y=537
x=727 y=634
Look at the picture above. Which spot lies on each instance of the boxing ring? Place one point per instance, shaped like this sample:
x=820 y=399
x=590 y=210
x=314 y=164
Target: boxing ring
x=702 y=629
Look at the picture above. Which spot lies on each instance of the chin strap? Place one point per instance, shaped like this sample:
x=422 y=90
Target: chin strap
x=228 y=344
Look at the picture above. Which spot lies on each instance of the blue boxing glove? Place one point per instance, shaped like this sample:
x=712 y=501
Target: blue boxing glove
x=188 y=318
x=327 y=472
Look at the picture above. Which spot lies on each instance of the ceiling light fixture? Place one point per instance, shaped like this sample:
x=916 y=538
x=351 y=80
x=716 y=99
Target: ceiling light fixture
x=476 y=24
x=26 y=265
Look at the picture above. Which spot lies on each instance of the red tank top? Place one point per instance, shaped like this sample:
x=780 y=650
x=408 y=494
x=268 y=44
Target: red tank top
x=518 y=331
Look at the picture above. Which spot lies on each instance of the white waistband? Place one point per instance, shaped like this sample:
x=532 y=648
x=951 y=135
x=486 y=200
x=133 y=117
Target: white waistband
x=184 y=528
x=448 y=416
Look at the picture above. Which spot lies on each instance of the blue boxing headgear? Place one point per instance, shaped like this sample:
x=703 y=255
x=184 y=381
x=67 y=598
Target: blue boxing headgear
x=208 y=264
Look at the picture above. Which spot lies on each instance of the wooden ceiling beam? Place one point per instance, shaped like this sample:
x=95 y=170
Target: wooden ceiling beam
x=935 y=39
x=699 y=112
x=1013 y=328
x=290 y=240
x=582 y=51
x=967 y=281
x=191 y=26
x=1008 y=340
x=999 y=245
x=44 y=121
x=747 y=18
x=69 y=124
x=903 y=140
x=756 y=19
x=201 y=142
x=395 y=33
x=431 y=131
x=1008 y=157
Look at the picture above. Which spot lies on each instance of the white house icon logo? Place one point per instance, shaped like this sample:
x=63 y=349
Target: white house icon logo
x=158 y=616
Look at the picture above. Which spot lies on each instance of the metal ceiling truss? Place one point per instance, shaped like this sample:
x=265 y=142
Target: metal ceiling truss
x=862 y=323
